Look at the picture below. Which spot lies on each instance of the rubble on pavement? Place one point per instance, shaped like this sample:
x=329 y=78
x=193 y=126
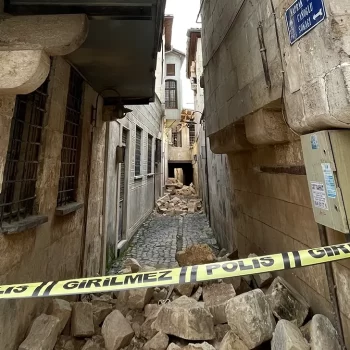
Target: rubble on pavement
x=230 y=314
x=179 y=199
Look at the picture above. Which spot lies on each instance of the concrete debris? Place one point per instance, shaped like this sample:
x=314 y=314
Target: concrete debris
x=135 y=344
x=43 y=334
x=250 y=317
x=244 y=287
x=195 y=255
x=203 y=346
x=136 y=298
x=232 y=342
x=321 y=334
x=215 y=298
x=173 y=346
x=185 y=319
x=133 y=264
x=286 y=303
x=159 y=342
x=262 y=279
x=62 y=310
x=287 y=336
x=116 y=331
x=82 y=324
x=159 y=294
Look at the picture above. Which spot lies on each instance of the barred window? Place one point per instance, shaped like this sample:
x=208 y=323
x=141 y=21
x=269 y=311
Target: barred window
x=171 y=94
x=192 y=129
x=170 y=70
x=176 y=138
x=21 y=171
x=150 y=148
x=71 y=142
x=122 y=166
x=138 y=151
x=158 y=152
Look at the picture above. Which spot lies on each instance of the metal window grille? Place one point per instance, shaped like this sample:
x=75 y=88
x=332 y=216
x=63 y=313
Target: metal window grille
x=149 y=160
x=71 y=141
x=192 y=130
x=21 y=170
x=138 y=152
x=170 y=70
x=176 y=138
x=122 y=167
x=171 y=94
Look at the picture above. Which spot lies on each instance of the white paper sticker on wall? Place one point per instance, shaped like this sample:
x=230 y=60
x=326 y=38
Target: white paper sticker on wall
x=329 y=180
x=319 y=195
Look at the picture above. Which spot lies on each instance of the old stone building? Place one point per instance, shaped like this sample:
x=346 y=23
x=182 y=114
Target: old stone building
x=263 y=90
x=60 y=87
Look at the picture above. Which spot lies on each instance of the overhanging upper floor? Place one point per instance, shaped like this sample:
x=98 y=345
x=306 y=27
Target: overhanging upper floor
x=119 y=55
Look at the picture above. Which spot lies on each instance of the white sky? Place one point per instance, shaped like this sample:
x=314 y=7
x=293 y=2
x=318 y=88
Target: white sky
x=185 y=14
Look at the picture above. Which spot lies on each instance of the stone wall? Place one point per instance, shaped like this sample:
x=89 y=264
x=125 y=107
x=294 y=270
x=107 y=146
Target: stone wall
x=257 y=176
x=140 y=191
x=54 y=250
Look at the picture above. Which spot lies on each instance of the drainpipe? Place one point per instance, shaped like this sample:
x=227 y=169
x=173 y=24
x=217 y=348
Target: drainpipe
x=207 y=172
x=332 y=288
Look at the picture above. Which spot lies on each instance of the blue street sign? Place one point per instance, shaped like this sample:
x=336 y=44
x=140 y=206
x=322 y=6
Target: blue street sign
x=303 y=16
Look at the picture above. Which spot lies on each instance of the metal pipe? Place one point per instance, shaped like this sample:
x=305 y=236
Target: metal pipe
x=207 y=172
x=332 y=288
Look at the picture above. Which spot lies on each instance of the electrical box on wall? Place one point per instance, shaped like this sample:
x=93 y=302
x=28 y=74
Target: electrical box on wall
x=327 y=162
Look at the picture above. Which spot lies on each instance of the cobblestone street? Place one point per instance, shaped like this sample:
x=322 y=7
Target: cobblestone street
x=160 y=237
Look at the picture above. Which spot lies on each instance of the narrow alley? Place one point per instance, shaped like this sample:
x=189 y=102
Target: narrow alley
x=174 y=174
x=160 y=237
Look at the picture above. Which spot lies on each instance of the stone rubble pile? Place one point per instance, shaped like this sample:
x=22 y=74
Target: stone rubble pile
x=174 y=205
x=232 y=314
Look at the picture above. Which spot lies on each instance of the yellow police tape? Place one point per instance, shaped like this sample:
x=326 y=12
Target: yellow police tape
x=180 y=275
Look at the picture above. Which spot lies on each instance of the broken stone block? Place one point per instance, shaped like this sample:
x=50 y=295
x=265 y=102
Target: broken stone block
x=221 y=330
x=82 y=324
x=215 y=298
x=100 y=311
x=286 y=303
x=91 y=345
x=234 y=281
x=137 y=329
x=287 y=336
x=176 y=200
x=195 y=255
x=149 y=308
x=262 y=279
x=192 y=207
x=62 y=310
x=184 y=289
x=123 y=308
x=203 y=346
x=65 y=342
x=232 y=342
x=173 y=346
x=250 y=317
x=133 y=264
x=244 y=287
x=147 y=329
x=159 y=342
x=197 y=295
x=116 y=331
x=136 y=298
x=43 y=333
x=185 y=319
x=136 y=316
x=159 y=295
x=321 y=334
